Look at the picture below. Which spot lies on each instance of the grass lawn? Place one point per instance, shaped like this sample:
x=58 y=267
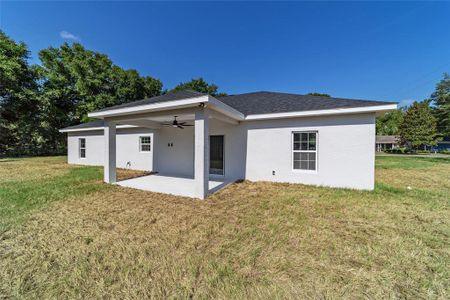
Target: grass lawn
x=65 y=234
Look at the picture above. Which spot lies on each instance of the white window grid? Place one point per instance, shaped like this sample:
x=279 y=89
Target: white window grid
x=315 y=151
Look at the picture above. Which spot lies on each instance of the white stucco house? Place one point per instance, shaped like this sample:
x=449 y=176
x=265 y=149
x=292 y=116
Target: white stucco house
x=197 y=143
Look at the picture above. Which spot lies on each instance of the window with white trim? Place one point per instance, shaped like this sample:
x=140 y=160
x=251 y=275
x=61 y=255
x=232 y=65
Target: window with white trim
x=145 y=144
x=82 y=147
x=304 y=148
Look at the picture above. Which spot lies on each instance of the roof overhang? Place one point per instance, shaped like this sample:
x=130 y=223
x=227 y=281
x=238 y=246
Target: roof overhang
x=378 y=109
x=210 y=101
x=222 y=108
x=94 y=128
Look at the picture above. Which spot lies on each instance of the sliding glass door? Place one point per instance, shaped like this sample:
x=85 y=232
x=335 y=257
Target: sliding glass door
x=216 y=157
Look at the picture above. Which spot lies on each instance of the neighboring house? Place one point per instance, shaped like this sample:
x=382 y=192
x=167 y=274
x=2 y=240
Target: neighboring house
x=262 y=136
x=443 y=145
x=386 y=142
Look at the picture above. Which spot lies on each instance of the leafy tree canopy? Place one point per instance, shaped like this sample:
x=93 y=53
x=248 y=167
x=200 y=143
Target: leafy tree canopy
x=76 y=81
x=79 y=81
x=15 y=73
x=389 y=123
x=18 y=99
x=36 y=101
x=441 y=101
x=318 y=94
x=199 y=85
x=418 y=128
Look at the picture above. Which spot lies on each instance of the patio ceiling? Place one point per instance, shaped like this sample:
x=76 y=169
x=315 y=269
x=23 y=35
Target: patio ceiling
x=155 y=118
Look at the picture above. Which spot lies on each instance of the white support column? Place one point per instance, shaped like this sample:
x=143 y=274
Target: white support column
x=109 y=170
x=201 y=168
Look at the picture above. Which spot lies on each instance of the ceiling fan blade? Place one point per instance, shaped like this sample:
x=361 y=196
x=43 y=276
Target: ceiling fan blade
x=181 y=127
x=188 y=125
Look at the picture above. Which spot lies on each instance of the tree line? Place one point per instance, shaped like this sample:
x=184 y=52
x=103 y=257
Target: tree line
x=423 y=123
x=70 y=81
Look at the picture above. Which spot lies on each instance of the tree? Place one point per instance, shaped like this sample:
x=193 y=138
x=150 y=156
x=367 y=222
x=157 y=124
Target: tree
x=88 y=80
x=418 y=128
x=441 y=101
x=76 y=81
x=201 y=86
x=389 y=123
x=19 y=104
x=152 y=86
x=318 y=94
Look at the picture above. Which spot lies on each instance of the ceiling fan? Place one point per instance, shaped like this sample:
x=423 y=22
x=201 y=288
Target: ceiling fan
x=176 y=124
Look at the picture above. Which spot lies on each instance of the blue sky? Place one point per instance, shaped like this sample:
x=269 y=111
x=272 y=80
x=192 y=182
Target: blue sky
x=364 y=50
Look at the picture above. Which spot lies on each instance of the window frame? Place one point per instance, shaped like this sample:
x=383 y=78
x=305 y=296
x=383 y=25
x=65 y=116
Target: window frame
x=316 y=166
x=81 y=148
x=141 y=144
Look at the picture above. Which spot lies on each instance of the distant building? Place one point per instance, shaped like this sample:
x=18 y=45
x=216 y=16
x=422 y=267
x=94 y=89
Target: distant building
x=386 y=142
x=443 y=145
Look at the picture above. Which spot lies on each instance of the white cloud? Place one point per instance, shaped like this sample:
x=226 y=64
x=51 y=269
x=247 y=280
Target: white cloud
x=69 y=36
x=405 y=102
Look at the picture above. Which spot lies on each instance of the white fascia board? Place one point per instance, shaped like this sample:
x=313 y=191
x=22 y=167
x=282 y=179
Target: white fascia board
x=149 y=107
x=336 y=111
x=95 y=128
x=227 y=110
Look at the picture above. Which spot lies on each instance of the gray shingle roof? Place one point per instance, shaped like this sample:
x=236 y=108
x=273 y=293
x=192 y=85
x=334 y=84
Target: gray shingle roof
x=96 y=123
x=172 y=96
x=253 y=103
x=270 y=102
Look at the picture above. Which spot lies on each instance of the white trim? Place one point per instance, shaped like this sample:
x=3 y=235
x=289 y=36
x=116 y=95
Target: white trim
x=95 y=128
x=140 y=143
x=336 y=111
x=81 y=148
x=219 y=106
x=225 y=109
x=219 y=116
x=160 y=106
x=149 y=107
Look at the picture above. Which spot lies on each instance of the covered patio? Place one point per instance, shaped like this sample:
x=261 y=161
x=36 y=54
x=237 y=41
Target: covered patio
x=178 y=186
x=184 y=170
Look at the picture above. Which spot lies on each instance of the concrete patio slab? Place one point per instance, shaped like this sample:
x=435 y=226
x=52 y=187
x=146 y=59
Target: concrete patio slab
x=179 y=186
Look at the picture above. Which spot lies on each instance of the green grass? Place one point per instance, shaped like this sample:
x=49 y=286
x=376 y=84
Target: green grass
x=405 y=163
x=19 y=196
x=32 y=183
x=67 y=235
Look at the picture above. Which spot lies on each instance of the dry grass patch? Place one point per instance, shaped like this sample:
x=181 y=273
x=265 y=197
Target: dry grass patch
x=33 y=168
x=252 y=240
x=42 y=168
x=417 y=173
x=32 y=183
x=124 y=174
